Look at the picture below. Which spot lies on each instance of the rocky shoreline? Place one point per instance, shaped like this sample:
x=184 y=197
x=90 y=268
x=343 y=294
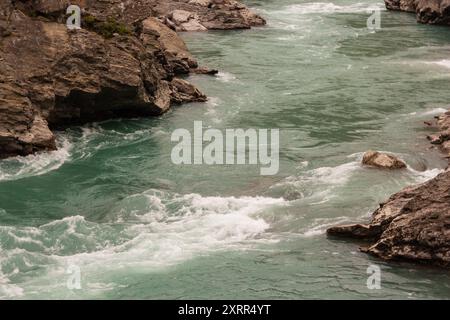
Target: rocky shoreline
x=414 y=224
x=126 y=61
x=427 y=11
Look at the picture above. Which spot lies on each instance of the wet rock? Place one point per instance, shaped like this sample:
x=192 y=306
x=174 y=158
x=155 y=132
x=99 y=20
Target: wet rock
x=183 y=91
x=382 y=160
x=442 y=138
x=355 y=230
x=427 y=11
x=204 y=70
x=413 y=225
x=401 y=5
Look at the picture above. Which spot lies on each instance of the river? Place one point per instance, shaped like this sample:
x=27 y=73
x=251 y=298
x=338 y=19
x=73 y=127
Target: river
x=111 y=206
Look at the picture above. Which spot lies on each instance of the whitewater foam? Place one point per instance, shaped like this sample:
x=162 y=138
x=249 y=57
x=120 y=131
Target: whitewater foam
x=431 y=112
x=147 y=230
x=226 y=77
x=442 y=63
x=37 y=164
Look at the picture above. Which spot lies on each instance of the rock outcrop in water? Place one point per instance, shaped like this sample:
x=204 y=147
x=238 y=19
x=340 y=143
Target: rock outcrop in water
x=427 y=11
x=442 y=138
x=414 y=224
x=382 y=160
x=125 y=62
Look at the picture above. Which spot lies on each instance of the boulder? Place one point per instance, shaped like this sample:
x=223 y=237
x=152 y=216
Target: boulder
x=382 y=160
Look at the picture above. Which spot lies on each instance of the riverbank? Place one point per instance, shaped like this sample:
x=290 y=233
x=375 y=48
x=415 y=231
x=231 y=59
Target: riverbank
x=111 y=201
x=413 y=224
x=127 y=61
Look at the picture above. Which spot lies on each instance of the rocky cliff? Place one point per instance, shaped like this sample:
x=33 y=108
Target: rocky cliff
x=427 y=11
x=126 y=61
x=413 y=224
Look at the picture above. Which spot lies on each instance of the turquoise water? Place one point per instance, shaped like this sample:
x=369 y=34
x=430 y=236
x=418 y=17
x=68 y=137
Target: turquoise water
x=111 y=203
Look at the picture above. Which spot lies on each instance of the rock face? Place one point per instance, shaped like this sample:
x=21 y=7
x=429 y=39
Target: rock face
x=427 y=11
x=382 y=160
x=442 y=139
x=414 y=224
x=125 y=62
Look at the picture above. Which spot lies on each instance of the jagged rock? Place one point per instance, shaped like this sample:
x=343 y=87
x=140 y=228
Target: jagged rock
x=382 y=160
x=210 y=14
x=355 y=230
x=414 y=225
x=204 y=70
x=180 y=16
x=427 y=11
x=123 y=63
x=442 y=138
x=183 y=91
x=401 y=5
x=175 y=51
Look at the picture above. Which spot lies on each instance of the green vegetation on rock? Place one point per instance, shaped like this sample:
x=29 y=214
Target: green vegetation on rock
x=106 y=28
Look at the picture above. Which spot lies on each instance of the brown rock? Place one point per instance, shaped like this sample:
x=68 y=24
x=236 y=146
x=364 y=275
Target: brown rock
x=203 y=70
x=427 y=11
x=401 y=5
x=413 y=225
x=355 y=230
x=124 y=63
x=183 y=91
x=382 y=160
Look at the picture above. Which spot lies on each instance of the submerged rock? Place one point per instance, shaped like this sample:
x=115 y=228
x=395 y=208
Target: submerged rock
x=125 y=62
x=382 y=160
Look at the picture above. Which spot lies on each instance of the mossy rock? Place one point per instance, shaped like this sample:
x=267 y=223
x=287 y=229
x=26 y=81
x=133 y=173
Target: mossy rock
x=106 y=28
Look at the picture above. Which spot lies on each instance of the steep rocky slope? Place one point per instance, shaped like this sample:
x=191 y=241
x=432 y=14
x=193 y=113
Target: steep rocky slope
x=125 y=61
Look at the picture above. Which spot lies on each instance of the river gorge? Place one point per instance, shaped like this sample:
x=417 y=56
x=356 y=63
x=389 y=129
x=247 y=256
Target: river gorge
x=107 y=199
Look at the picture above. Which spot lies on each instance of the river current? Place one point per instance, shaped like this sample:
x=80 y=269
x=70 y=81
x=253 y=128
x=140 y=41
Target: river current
x=111 y=205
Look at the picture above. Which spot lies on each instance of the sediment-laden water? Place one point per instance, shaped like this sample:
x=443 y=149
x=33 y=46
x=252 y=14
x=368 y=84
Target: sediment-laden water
x=111 y=203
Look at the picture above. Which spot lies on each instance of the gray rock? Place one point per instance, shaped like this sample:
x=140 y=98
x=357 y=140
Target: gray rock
x=382 y=160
